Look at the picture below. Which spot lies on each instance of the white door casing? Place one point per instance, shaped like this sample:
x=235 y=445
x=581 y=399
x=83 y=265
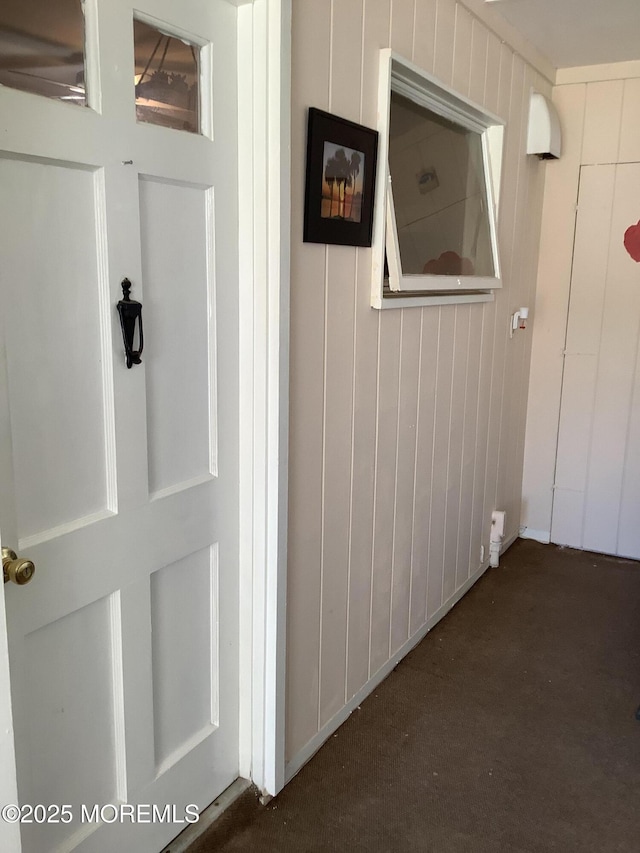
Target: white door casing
x=597 y=481
x=121 y=484
x=264 y=72
x=9 y=832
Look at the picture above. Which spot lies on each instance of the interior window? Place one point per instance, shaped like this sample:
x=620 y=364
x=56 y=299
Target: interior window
x=435 y=227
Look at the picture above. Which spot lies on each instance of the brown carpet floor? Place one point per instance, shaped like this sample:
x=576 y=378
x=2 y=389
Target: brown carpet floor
x=511 y=727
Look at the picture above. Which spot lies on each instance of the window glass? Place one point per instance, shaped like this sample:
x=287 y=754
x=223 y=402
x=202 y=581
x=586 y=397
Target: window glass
x=166 y=78
x=439 y=195
x=42 y=48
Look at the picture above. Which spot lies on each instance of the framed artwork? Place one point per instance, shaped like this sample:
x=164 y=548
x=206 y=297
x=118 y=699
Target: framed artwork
x=341 y=174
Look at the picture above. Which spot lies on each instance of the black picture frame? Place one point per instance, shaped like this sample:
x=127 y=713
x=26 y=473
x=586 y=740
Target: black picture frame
x=339 y=210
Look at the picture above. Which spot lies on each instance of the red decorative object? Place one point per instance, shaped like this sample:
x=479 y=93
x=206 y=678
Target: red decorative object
x=449 y=263
x=632 y=241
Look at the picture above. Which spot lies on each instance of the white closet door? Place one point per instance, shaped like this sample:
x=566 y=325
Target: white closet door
x=597 y=487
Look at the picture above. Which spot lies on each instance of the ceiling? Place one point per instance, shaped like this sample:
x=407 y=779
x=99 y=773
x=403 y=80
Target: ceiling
x=577 y=32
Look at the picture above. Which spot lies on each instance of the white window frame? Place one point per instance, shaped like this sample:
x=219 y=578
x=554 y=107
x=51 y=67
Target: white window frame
x=399 y=75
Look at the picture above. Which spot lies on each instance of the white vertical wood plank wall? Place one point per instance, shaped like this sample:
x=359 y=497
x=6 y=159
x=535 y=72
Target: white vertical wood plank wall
x=599 y=107
x=407 y=426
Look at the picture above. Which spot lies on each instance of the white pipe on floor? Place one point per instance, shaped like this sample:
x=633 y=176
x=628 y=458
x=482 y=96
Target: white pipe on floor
x=498 y=520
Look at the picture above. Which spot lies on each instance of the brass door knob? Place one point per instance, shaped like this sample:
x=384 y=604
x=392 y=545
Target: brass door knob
x=15 y=569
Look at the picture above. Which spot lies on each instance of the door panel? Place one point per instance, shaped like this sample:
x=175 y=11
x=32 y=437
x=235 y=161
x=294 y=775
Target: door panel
x=70 y=720
x=123 y=648
x=181 y=430
x=57 y=358
x=184 y=615
x=596 y=495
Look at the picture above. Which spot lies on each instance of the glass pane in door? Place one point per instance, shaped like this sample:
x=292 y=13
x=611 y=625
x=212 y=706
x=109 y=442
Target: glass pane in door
x=42 y=48
x=166 y=76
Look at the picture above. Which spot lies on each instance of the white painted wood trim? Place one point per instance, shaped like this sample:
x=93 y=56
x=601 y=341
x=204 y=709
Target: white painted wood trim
x=9 y=832
x=264 y=33
x=434 y=299
x=310 y=749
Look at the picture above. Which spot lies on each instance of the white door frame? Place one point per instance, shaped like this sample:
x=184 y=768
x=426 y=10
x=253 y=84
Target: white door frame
x=264 y=101
x=264 y=36
x=9 y=832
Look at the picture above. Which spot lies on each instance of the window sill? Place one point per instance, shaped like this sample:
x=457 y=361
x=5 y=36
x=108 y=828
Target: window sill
x=406 y=299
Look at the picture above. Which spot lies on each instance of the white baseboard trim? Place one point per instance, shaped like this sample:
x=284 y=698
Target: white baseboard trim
x=309 y=750
x=543 y=536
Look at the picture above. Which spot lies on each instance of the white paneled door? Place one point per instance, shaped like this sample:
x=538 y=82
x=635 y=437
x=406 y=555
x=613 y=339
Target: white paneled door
x=597 y=489
x=120 y=484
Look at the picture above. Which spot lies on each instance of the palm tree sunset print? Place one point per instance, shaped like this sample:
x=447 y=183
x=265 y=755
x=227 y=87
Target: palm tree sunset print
x=342 y=182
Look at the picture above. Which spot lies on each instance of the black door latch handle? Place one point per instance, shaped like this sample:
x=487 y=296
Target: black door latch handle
x=130 y=311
